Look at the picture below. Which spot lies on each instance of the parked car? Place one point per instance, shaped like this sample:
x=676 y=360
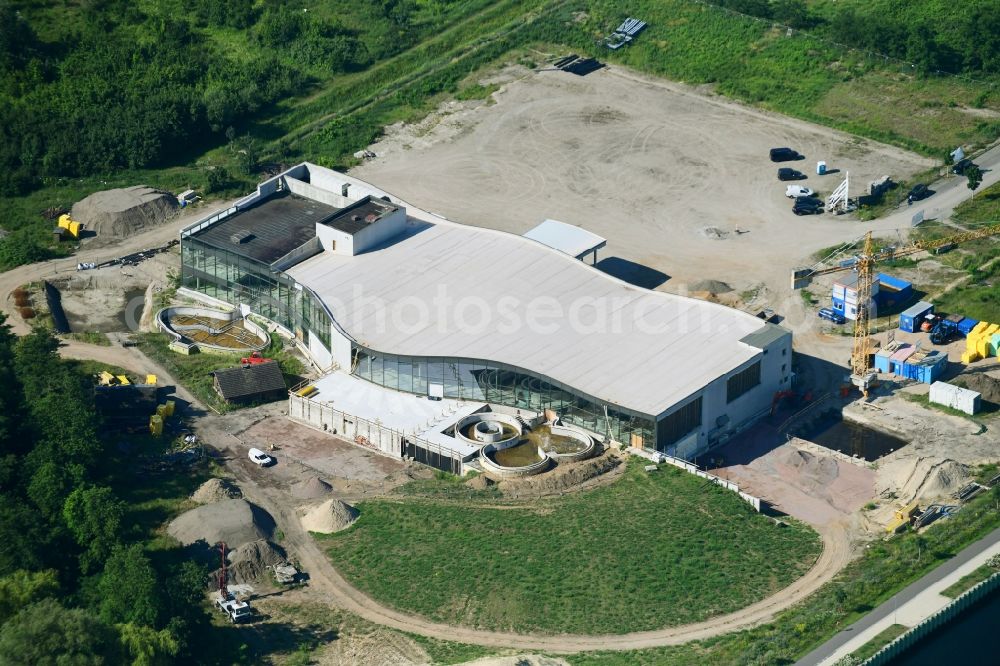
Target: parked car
x=790 y=174
x=961 y=166
x=807 y=206
x=795 y=191
x=784 y=155
x=832 y=315
x=919 y=191
x=260 y=458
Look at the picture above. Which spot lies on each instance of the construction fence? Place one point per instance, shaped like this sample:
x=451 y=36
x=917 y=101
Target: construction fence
x=373 y=435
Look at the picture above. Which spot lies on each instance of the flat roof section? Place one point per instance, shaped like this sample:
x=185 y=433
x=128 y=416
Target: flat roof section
x=269 y=230
x=359 y=215
x=574 y=241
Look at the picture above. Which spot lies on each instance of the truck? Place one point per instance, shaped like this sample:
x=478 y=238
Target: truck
x=238 y=611
x=945 y=328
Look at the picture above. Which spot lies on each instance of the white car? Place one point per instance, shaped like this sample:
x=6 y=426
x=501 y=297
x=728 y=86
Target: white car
x=258 y=457
x=793 y=191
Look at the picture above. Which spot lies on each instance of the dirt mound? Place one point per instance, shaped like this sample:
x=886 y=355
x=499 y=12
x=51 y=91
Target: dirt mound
x=249 y=562
x=711 y=286
x=563 y=477
x=312 y=488
x=479 y=482
x=925 y=479
x=124 y=212
x=329 y=517
x=821 y=470
x=216 y=490
x=982 y=383
x=234 y=521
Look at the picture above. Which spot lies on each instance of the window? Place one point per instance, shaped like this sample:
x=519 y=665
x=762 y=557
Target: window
x=674 y=426
x=742 y=382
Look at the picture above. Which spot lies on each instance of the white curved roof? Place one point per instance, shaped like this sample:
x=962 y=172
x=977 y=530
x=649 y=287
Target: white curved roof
x=447 y=289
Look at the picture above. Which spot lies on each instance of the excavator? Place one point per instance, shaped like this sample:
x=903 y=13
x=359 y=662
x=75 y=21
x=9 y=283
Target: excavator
x=864 y=263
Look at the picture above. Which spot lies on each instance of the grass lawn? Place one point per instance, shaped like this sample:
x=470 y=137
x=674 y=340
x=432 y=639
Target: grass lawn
x=888 y=635
x=968 y=581
x=648 y=551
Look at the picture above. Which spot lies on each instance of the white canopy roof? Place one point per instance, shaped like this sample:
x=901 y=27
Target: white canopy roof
x=574 y=241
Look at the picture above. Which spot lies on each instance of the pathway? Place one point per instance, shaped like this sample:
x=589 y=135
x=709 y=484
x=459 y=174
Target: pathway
x=908 y=607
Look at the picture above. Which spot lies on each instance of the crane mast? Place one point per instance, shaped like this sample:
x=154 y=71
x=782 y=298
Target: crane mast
x=861 y=372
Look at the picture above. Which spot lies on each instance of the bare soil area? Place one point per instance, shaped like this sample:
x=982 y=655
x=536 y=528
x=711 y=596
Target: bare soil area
x=667 y=174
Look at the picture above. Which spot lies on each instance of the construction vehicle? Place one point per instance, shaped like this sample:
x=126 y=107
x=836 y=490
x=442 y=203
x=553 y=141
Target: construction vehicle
x=238 y=611
x=71 y=226
x=862 y=373
x=254 y=358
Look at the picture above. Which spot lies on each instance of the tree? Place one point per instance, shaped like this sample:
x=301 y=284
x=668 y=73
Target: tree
x=129 y=589
x=46 y=633
x=975 y=177
x=22 y=588
x=94 y=516
x=146 y=646
x=11 y=395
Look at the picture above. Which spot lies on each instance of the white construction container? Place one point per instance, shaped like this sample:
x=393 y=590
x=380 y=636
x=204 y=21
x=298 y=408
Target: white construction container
x=955 y=397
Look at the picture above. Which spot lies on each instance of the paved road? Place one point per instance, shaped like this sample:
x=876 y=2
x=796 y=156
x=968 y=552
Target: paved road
x=826 y=650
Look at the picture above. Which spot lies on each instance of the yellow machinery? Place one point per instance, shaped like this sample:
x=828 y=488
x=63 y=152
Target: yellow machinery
x=155 y=425
x=862 y=374
x=169 y=407
x=151 y=380
x=70 y=225
x=106 y=378
x=122 y=380
x=903 y=517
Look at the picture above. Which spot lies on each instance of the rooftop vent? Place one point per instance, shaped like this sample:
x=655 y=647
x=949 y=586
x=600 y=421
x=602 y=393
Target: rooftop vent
x=240 y=237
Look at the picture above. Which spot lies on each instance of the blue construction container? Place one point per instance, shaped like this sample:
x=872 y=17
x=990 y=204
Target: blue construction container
x=928 y=370
x=893 y=292
x=966 y=325
x=911 y=319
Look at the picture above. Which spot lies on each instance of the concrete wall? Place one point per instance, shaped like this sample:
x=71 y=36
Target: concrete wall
x=381 y=231
x=310 y=191
x=335 y=241
x=321 y=355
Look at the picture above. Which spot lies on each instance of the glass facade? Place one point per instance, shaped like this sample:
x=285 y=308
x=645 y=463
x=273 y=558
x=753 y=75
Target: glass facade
x=236 y=279
x=499 y=383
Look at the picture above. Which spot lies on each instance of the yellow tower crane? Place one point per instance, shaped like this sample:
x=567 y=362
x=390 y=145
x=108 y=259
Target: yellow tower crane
x=864 y=263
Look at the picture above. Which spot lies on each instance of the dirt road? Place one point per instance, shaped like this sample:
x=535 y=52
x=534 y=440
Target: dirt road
x=160 y=235
x=332 y=587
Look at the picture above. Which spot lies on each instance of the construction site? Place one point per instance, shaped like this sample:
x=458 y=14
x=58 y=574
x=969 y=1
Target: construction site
x=452 y=319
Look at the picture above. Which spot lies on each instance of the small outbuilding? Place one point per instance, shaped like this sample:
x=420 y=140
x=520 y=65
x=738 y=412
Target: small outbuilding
x=955 y=397
x=260 y=382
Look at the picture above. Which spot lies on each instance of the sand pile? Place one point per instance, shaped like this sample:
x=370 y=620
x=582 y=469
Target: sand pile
x=312 y=488
x=234 y=521
x=249 y=562
x=216 y=490
x=711 y=286
x=329 y=517
x=919 y=478
x=819 y=470
x=982 y=383
x=124 y=212
x=480 y=482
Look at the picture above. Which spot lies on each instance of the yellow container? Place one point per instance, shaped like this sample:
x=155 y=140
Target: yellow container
x=155 y=425
x=171 y=406
x=305 y=391
x=106 y=378
x=151 y=380
x=161 y=411
x=123 y=380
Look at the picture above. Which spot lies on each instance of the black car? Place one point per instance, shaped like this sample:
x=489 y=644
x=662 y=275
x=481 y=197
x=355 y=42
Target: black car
x=962 y=166
x=807 y=206
x=785 y=173
x=919 y=191
x=784 y=155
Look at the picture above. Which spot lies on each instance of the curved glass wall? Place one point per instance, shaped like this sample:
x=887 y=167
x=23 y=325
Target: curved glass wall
x=236 y=279
x=499 y=383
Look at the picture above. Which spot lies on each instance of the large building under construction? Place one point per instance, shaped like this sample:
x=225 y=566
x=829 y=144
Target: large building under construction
x=402 y=298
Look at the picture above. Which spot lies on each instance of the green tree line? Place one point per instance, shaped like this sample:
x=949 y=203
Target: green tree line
x=76 y=584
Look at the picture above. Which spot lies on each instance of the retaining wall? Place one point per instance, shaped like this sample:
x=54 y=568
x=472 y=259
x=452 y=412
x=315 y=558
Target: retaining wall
x=511 y=472
x=163 y=323
x=887 y=654
x=580 y=436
